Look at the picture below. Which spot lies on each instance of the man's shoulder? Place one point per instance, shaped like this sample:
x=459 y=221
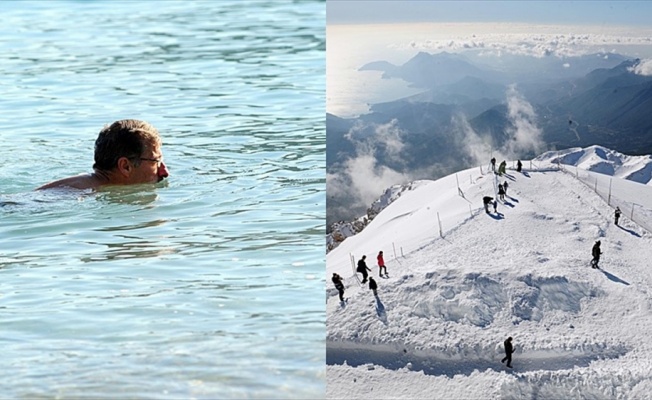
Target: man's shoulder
x=80 y=182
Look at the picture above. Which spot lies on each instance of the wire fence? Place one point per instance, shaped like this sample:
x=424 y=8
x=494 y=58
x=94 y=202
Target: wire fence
x=622 y=193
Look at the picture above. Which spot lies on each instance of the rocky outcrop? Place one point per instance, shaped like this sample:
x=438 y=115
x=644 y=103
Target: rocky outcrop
x=341 y=230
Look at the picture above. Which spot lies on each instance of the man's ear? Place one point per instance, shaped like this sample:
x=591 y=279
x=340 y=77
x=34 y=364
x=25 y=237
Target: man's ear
x=124 y=166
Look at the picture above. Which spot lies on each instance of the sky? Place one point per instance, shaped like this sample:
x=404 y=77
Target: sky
x=436 y=328
x=630 y=13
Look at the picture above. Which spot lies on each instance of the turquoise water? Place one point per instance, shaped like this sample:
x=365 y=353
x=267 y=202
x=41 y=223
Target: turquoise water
x=207 y=285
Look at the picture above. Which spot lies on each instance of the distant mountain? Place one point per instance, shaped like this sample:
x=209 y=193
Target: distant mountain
x=430 y=70
x=607 y=107
x=338 y=148
x=384 y=66
x=551 y=68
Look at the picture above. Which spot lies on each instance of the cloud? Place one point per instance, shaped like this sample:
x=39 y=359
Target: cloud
x=389 y=135
x=525 y=135
x=363 y=178
x=642 y=68
x=522 y=39
x=475 y=147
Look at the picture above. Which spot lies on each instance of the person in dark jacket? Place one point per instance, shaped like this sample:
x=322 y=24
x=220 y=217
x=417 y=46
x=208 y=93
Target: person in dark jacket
x=519 y=166
x=617 y=215
x=362 y=268
x=373 y=286
x=596 y=255
x=381 y=264
x=339 y=285
x=493 y=164
x=509 y=349
x=487 y=200
x=502 y=168
x=501 y=192
x=505 y=185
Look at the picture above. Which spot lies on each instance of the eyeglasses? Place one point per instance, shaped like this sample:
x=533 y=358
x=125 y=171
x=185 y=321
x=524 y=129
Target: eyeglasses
x=156 y=160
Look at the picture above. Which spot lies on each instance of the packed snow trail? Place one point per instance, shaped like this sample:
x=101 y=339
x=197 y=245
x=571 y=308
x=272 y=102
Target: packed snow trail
x=523 y=273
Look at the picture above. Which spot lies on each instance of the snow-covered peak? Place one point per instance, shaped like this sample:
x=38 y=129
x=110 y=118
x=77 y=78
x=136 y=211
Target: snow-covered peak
x=605 y=161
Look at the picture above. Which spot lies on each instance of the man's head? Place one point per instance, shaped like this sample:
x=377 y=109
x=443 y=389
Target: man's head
x=130 y=150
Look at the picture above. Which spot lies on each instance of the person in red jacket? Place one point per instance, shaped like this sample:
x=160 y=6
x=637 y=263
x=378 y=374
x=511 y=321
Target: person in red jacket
x=381 y=264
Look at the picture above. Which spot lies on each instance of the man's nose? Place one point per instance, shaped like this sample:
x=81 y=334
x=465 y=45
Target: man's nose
x=162 y=171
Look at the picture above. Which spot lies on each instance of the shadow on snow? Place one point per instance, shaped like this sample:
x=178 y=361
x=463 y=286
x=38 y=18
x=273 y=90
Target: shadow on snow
x=614 y=278
x=359 y=354
x=629 y=231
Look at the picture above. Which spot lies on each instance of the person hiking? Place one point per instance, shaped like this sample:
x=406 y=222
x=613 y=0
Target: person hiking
x=337 y=281
x=493 y=164
x=596 y=255
x=486 y=200
x=501 y=192
x=495 y=207
x=505 y=185
x=373 y=286
x=509 y=349
x=362 y=268
x=617 y=215
x=381 y=264
x=519 y=166
x=502 y=168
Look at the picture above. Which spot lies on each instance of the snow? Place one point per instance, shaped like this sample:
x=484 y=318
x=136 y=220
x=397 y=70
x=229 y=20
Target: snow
x=605 y=161
x=462 y=281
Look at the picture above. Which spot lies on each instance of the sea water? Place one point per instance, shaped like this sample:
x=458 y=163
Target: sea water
x=207 y=285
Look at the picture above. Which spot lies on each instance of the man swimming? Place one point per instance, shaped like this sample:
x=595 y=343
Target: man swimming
x=127 y=152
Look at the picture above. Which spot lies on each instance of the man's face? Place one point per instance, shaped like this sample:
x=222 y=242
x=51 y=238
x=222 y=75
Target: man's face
x=152 y=169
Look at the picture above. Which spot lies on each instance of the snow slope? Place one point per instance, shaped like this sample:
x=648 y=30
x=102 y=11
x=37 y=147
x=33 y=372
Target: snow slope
x=605 y=161
x=593 y=159
x=437 y=326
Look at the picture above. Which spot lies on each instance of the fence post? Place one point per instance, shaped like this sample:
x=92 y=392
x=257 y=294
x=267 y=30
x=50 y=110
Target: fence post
x=631 y=215
x=441 y=234
x=402 y=252
x=394 y=247
x=352 y=263
x=609 y=197
x=595 y=189
x=470 y=211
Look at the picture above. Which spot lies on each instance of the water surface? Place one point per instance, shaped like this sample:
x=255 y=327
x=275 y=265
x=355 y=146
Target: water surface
x=208 y=285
